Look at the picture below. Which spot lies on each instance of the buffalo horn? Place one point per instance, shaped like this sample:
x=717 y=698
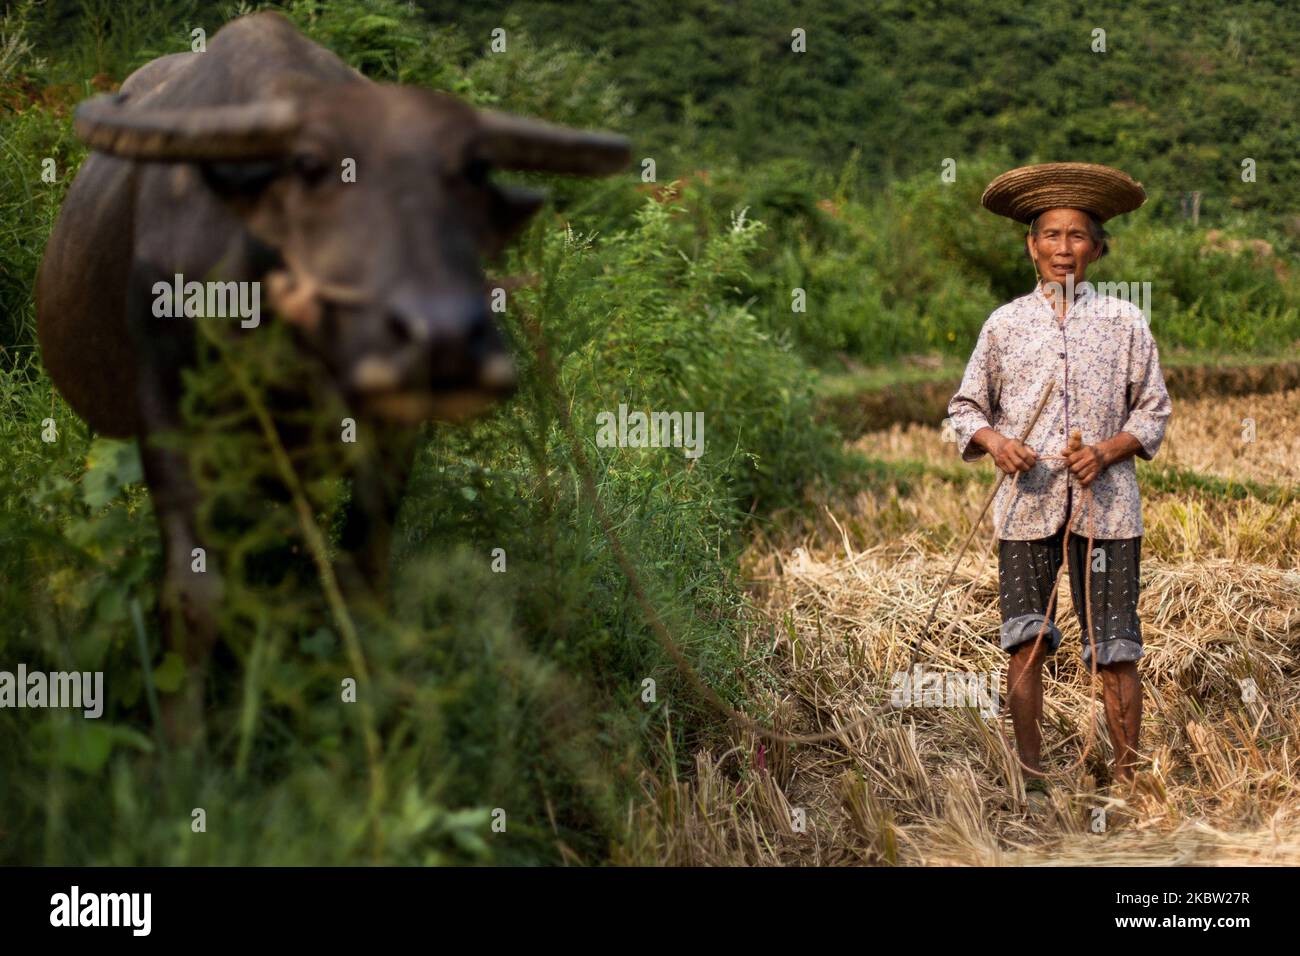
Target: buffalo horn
x=232 y=132
x=514 y=142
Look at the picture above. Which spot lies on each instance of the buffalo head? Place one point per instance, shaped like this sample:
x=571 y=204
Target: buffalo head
x=378 y=205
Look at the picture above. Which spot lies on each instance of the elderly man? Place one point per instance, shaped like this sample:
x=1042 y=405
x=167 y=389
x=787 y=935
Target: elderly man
x=1109 y=386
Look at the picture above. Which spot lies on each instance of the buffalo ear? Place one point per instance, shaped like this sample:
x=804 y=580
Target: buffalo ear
x=511 y=208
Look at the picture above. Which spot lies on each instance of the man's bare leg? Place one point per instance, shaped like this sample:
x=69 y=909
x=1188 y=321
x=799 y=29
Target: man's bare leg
x=1122 y=686
x=1025 y=698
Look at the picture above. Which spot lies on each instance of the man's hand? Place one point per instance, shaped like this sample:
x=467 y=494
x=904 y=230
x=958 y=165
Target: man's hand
x=1086 y=463
x=1009 y=454
x=1091 y=460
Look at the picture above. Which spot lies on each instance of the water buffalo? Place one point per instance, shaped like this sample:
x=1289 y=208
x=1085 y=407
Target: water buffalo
x=232 y=165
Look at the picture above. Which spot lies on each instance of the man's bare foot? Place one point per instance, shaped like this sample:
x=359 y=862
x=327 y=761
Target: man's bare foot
x=1036 y=791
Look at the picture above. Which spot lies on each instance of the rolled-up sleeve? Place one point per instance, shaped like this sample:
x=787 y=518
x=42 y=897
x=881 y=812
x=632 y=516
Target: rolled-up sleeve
x=972 y=407
x=1148 y=400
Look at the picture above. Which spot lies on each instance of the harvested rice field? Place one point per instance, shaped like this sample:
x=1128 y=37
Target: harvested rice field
x=847 y=594
x=1252 y=438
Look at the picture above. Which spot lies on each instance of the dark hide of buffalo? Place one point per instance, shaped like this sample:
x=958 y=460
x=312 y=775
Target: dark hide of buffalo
x=231 y=165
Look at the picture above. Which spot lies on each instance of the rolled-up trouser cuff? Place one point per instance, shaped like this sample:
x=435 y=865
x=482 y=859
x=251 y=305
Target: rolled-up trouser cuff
x=1116 y=650
x=1025 y=628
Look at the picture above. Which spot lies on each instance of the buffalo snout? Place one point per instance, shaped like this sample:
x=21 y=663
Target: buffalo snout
x=436 y=354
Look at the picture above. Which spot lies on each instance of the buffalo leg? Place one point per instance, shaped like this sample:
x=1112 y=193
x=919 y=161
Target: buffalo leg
x=189 y=599
x=367 y=536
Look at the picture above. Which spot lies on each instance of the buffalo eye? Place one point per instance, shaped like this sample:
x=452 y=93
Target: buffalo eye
x=310 y=168
x=476 y=172
x=239 y=179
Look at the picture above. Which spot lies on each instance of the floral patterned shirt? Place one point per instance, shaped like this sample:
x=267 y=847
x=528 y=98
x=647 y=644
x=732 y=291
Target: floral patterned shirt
x=1108 y=380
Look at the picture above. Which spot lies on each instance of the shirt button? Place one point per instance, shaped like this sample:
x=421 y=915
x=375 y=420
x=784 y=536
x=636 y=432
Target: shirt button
x=1060 y=354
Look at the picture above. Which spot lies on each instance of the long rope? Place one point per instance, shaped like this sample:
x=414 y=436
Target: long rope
x=551 y=380
x=1087 y=587
x=585 y=474
x=1042 y=630
x=651 y=613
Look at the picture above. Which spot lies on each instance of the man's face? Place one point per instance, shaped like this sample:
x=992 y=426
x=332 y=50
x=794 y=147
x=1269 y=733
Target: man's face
x=1062 y=245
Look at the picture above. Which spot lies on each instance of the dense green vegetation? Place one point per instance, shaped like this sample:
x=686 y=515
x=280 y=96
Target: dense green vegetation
x=886 y=92
x=522 y=690
x=1181 y=95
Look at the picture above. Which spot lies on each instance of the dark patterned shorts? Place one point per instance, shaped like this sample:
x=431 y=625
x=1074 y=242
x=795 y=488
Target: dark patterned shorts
x=1027 y=570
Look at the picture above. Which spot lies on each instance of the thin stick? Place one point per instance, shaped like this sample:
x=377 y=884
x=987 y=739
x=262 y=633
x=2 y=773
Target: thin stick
x=916 y=646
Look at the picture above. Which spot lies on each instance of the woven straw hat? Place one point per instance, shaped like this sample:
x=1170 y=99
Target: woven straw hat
x=1100 y=190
